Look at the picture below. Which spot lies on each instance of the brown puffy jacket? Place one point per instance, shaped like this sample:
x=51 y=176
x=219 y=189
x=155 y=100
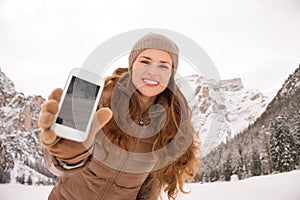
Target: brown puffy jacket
x=109 y=173
x=97 y=181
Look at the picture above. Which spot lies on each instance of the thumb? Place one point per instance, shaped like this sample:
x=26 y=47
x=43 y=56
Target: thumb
x=103 y=116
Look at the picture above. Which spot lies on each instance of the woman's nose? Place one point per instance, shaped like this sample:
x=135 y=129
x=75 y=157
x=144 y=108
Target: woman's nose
x=152 y=69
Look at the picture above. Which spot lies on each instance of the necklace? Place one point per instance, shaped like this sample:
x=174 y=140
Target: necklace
x=141 y=121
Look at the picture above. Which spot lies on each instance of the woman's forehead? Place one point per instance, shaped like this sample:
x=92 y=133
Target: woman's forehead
x=155 y=54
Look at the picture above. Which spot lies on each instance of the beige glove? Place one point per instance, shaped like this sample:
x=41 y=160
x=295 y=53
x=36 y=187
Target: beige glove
x=65 y=150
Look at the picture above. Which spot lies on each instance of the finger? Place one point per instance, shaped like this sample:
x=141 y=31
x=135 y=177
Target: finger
x=103 y=115
x=50 y=106
x=46 y=120
x=56 y=94
x=48 y=137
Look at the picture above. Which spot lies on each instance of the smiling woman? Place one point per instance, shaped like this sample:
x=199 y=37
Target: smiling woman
x=142 y=140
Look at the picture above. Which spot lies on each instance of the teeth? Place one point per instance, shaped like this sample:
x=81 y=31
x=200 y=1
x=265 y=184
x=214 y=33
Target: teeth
x=150 y=82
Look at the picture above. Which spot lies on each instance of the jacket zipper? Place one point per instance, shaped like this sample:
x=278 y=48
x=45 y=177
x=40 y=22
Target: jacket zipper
x=112 y=180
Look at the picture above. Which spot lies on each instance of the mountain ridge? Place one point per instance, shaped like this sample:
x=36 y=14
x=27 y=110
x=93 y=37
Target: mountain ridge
x=19 y=128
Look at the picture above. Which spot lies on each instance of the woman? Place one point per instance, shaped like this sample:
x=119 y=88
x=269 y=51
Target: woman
x=150 y=118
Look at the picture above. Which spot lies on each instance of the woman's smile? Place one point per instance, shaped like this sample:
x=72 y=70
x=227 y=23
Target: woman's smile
x=150 y=82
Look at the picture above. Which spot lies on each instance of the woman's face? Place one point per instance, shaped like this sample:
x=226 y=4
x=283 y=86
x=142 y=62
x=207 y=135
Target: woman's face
x=151 y=73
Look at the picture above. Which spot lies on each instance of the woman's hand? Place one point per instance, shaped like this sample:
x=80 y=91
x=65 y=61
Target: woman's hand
x=65 y=150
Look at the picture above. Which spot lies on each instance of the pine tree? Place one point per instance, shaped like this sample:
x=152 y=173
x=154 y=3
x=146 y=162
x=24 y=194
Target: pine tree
x=227 y=167
x=4 y=175
x=214 y=175
x=21 y=179
x=266 y=159
x=256 y=163
x=239 y=169
x=29 y=181
x=282 y=147
x=296 y=134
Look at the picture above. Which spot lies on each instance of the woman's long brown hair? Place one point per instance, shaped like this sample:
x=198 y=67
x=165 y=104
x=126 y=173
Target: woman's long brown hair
x=173 y=176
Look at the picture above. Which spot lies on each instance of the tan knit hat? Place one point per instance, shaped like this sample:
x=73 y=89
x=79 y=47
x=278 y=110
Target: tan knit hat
x=154 y=41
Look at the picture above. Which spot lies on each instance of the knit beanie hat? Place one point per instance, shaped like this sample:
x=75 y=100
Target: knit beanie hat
x=154 y=41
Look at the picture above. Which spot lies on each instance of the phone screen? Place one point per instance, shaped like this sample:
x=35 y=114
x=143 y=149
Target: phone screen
x=78 y=104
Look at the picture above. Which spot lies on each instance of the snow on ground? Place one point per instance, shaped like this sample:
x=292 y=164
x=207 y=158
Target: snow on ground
x=18 y=191
x=284 y=186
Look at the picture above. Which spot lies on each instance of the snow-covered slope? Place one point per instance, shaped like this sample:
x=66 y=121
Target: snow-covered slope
x=221 y=108
x=284 y=186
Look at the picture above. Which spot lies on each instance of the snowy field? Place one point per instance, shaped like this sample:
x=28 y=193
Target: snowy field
x=285 y=186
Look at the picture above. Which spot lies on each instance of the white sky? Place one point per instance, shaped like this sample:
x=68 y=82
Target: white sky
x=41 y=41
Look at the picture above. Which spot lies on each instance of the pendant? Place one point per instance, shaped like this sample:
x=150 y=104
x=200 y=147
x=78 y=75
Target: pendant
x=141 y=122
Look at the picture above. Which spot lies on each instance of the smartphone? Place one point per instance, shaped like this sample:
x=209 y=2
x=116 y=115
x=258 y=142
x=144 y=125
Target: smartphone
x=78 y=105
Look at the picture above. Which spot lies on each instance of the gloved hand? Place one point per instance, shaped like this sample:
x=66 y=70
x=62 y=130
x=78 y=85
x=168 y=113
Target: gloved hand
x=68 y=151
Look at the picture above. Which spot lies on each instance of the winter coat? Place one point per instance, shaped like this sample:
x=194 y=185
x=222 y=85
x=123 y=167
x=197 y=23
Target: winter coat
x=97 y=181
x=106 y=174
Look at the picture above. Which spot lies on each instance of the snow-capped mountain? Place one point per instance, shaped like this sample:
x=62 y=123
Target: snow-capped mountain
x=21 y=158
x=221 y=109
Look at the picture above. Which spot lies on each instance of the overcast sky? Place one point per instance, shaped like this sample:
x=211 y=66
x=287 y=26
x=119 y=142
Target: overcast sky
x=41 y=41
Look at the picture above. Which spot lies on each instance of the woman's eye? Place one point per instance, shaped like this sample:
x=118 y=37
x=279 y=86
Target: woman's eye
x=164 y=67
x=145 y=61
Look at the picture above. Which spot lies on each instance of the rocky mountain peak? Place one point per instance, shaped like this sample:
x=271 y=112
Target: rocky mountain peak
x=222 y=108
x=21 y=156
x=231 y=84
x=7 y=89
